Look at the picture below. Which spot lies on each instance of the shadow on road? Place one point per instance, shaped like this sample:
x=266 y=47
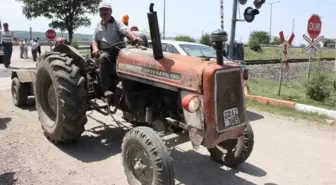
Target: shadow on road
x=194 y=168
x=7 y=178
x=30 y=105
x=3 y=122
x=103 y=142
x=252 y=116
x=191 y=167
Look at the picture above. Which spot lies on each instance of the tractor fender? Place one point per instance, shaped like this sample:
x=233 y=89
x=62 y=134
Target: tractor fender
x=74 y=54
x=24 y=76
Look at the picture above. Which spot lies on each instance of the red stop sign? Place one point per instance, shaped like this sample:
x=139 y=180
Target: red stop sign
x=50 y=34
x=314 y=26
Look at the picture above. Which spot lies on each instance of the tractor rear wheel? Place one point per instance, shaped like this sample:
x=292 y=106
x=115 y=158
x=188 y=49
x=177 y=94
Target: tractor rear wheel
x=241 y=149
x=61 y=94
x=20 y=92
x=146 y=159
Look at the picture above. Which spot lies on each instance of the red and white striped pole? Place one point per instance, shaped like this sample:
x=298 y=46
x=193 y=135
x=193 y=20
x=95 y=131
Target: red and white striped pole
x=222 y=14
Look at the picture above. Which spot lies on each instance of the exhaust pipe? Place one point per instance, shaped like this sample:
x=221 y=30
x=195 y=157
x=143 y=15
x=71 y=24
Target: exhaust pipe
x=155 y=32
x=219 y=37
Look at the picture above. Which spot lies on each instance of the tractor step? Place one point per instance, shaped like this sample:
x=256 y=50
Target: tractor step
x=173 y=139
x=98 y=104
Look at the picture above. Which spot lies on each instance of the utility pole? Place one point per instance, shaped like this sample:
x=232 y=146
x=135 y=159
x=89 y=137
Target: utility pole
x=270 y=29
x=293 y=25
x=164 y=20
x=233 y=28
x=30 y=33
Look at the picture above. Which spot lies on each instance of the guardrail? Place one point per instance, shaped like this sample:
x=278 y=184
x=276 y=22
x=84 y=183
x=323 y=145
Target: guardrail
x=277 y=61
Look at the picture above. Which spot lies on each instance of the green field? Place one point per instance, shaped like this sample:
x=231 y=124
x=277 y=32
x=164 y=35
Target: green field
x=293 y=90
x=274 y=53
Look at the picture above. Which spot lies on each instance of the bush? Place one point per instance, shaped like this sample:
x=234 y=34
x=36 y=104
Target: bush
x=318 y=87
x=254 y=45
x=75 y=43
x=185 y=38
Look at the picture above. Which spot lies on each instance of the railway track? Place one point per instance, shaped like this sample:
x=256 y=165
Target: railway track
x=299 y=60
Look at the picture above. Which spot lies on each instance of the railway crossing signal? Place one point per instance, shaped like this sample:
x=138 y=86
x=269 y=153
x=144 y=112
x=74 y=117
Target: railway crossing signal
x=285 y=44
x=312 y=43
x=250 y=13
x=242 y=2
x=258 y=3
x=314 y=28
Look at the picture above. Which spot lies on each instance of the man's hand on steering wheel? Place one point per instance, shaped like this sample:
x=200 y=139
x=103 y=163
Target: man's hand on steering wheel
x=95 y=52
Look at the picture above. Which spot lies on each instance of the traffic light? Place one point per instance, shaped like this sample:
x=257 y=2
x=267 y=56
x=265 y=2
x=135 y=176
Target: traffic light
x=242 y=2
x=250 y=13
x=258 y=3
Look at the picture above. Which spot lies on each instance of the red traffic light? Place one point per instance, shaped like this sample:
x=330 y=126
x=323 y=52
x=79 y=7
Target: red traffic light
x=250 y=13
x=258 y=3
x=242 y=2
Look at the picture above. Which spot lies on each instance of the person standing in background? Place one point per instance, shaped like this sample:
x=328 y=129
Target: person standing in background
x=34 y=49
x=39 y=46
x=25 y=45
x=21 y=44
x=7 y=42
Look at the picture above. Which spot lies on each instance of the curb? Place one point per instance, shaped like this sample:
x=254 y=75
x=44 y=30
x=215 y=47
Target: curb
x=293 y=105
x=271 y=101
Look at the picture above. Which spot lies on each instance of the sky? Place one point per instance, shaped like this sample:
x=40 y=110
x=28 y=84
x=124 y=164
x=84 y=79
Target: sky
x=192 y=17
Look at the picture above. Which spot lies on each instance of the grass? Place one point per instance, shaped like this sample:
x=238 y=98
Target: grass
x=293 y=91
x=285 y=111
x=274 y=53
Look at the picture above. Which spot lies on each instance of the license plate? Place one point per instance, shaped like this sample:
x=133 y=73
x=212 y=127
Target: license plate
x=231 y=117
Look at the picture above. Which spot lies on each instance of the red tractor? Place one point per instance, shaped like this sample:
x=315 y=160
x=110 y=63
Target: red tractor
x=166 y=97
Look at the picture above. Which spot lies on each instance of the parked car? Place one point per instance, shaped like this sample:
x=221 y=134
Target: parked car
x=202 y=51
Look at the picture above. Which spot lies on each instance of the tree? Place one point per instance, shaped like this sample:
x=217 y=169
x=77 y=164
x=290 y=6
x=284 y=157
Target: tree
x=262 y=36
x=206 y=39
x=185 y=38
x=328 y=41
x=276 y=41
x=64 y=15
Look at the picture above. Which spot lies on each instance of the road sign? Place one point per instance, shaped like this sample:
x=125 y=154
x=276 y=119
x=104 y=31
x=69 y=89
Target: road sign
x=50 y=34
x=314 y=26
x=312 y=44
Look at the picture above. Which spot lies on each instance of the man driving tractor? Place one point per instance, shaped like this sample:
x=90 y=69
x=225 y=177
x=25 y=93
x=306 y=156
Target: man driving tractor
x=108 y=32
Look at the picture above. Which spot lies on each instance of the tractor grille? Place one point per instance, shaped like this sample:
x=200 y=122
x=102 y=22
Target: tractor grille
x=229 y=96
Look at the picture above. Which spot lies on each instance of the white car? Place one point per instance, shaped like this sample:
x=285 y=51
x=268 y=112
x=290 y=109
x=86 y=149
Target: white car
x=199 y=50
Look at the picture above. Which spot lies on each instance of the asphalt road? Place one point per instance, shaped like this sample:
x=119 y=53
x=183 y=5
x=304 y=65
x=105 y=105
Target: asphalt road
x=287 y=152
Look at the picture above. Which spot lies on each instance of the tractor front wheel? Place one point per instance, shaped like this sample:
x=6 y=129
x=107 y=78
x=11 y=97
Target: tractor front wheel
x=146 y=159
x=232 y=153
x=60 y=94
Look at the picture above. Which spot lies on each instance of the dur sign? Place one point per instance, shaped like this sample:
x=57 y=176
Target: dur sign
x=314 y=26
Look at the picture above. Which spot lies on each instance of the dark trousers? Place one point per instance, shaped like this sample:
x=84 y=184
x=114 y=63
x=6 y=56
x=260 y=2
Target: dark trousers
x=34 y=54
x=39 y=50
x=107 y=70
x=8 y=49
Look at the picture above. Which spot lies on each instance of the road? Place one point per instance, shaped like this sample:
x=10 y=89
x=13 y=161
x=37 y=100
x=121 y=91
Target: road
x=287 y=152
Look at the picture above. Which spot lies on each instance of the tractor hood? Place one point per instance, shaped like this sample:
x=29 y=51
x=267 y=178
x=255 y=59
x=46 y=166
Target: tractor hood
x=172 y=70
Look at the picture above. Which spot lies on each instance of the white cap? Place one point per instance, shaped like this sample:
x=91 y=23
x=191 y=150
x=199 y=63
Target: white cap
x=104 y=5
